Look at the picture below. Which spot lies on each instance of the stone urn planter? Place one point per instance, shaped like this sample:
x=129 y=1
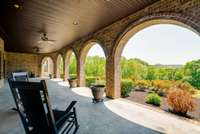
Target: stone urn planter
x=72 y=82
x=50 y=76
x=98 y=93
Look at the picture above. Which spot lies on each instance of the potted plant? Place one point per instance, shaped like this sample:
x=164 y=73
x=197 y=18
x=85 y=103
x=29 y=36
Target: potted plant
x=50 y=76
x=98 y=93
x=72 y=82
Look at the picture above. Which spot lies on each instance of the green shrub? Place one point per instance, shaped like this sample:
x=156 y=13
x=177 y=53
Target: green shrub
x=162 y=92
x=100 y=82
x=126 y=87
x=153 y=98
x=72 y=75
x=143 y=83
x=90 y=81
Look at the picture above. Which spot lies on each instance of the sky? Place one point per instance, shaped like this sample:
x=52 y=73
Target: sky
x=160 y=44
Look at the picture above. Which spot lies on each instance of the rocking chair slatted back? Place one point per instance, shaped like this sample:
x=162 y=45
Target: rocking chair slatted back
x=36 y=113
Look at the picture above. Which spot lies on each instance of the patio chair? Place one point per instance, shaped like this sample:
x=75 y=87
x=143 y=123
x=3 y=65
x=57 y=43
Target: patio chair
x=37 y=116
x=17 y=76
x=20 y=76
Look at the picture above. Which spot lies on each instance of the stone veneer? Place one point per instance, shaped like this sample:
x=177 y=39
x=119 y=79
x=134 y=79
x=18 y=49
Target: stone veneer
x=1 y=62
x=22 y=61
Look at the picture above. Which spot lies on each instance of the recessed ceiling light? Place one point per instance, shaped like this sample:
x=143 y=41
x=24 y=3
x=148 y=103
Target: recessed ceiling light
x=75 y=23
x=16 y=6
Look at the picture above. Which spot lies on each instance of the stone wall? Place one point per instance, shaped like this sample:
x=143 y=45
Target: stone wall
x=22 y=61
x=1 y=62
x=113 y=38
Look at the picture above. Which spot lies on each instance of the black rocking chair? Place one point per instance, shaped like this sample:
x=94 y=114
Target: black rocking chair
x=20 y=76
x=36 y=113
x=17 y=76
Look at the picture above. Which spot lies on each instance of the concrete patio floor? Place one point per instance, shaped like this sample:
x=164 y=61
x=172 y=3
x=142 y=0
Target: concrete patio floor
x=111 y=117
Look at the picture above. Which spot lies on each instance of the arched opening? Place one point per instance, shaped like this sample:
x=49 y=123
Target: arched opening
x=70 y=65
x=60 y=67
x=47 y=67
x=93 y=64
x=158 y=64
x=126 y=36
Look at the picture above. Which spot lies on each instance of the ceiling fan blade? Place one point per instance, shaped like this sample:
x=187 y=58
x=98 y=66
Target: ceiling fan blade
x=40 y=41
x=52 y=40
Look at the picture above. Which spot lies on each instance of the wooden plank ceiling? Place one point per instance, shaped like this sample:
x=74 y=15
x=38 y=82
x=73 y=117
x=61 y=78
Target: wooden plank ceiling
x=64 y=21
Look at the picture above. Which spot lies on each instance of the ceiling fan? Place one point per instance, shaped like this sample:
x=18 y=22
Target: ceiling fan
x=45 y=40
x=36 y=49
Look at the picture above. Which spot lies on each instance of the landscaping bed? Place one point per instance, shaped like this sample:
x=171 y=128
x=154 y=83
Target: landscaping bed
x=139 y=97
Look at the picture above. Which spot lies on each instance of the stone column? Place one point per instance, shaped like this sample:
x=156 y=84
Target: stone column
x=80 y=72
x=66 y=64
x=66 y=71
x=55 y=68
x=112 y=78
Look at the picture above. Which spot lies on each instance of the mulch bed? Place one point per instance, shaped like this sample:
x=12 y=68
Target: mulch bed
x=139 y=97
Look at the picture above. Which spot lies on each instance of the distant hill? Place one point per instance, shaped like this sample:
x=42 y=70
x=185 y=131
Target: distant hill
x=168 y=66
x=144 y=62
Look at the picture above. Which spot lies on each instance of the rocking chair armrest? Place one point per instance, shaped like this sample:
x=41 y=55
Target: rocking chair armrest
x=66 y=114
x=64 y=117
x=70 y=106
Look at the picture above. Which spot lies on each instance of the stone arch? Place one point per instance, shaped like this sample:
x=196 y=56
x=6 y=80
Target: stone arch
x=68 y=54
x=48 y=68
x=132 y=29
x=82 y=57
x=59 y=67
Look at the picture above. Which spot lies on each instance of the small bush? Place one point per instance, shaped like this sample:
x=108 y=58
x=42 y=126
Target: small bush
x=162 y=92
x=153 y=98
x=143 y=83
x=90 y=81
x=72 y=75
x=100 y=82
x=126 y=87
x=162 y=84
x=180 y=101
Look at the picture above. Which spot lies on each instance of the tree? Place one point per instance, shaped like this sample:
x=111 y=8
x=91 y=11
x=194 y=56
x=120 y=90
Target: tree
x=95 y=66
x=179 y=74
x=192 y=73
x=72 y=65
x=133 y=68
x=151 y=74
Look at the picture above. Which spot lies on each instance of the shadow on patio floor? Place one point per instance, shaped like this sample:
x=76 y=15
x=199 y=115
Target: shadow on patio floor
x=93 y=118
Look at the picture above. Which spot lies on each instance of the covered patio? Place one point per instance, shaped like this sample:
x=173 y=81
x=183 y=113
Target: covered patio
x=117 y=116
x=39 y=37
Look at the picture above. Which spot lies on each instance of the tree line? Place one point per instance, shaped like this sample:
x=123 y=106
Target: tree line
x=137 y=69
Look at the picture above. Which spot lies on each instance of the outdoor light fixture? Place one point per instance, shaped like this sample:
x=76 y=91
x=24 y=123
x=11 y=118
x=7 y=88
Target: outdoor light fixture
x=16 y=6
x=75 y=23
